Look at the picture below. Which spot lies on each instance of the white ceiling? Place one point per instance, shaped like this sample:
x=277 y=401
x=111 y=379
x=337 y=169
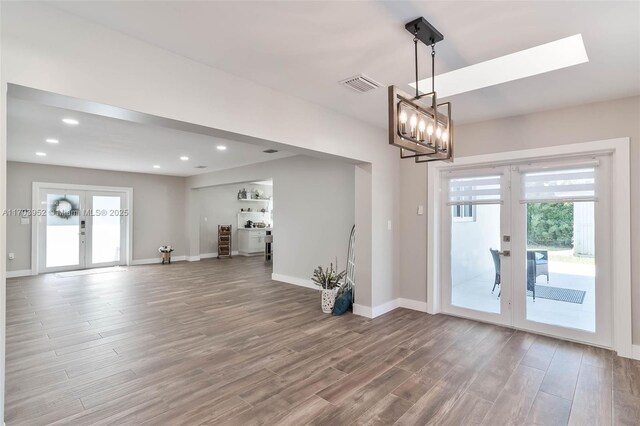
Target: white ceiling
x=304 y=48
x=110 y=144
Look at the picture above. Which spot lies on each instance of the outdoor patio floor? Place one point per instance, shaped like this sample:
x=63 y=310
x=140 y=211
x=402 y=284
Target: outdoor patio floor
x=476 y=294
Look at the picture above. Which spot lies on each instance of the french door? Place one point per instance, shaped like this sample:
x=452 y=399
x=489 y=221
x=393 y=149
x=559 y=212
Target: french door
x=80 y=229
x=528 y=246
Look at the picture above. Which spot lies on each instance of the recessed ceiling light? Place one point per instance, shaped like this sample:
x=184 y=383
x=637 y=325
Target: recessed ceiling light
x=50 y=140
x=547 y=57
x=184 y=158
x=221 y=147
x=70 y=121
x=155 y=166
x=41 y=154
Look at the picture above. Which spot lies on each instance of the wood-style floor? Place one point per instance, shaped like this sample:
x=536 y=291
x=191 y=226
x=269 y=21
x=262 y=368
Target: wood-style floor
x=218 y=342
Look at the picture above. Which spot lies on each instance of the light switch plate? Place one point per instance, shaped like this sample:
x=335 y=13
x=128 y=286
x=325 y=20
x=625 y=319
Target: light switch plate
x=24 y=221
x=389 y=225
x=420 y=210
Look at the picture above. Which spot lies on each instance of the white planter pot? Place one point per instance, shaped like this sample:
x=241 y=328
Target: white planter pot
x=328 y=299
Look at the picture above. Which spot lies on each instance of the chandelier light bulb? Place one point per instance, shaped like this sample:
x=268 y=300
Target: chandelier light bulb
x=430 y=130
x=421 y=127
x=445 y=136
x=414 y=123
x=403 y=122
x=438 y=132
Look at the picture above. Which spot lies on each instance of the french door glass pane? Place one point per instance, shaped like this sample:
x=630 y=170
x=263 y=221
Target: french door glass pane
x=63 y=230
x=475 y=263
x=561 y=264
x=105 y=236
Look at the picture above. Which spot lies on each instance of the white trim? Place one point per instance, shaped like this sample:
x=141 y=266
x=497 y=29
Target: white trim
x=19 y=273
x=250 y=253
x=208 y=256
x=636 y=352
x=363 y=311
x=193 y=258
x=414 y=305
x=154 y=260
x=376 y=311
x=302 y=282
x=35 y=196
x=620 y=222
x=384 y=308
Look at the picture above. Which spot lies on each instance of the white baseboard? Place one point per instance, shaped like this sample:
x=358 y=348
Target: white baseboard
x=384 y=308
x=636 y=352
x=210 y=255
x=363 y=311
x=19 y=273
x=193 y=258
x=156 y=260
x=414 y=305
x=389 y=306
x=302 y=282
x=244 y=253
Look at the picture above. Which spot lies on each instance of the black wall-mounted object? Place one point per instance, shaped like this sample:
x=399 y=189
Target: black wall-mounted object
x=424 y=31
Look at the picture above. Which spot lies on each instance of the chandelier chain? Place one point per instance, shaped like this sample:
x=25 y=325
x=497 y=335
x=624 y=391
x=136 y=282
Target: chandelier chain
x=415 y=52
x=433 y=67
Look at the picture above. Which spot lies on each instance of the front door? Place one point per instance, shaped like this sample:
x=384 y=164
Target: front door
x=81 y=229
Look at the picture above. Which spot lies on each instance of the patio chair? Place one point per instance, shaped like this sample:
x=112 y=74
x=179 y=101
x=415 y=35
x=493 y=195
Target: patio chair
x=496 y=263
x=531 y=271
x=542 y=263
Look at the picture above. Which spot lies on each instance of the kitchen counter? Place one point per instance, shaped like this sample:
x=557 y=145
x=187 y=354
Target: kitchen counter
x=251 y=242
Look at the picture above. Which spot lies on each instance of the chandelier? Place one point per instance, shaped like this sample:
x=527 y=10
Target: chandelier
x=419 y=125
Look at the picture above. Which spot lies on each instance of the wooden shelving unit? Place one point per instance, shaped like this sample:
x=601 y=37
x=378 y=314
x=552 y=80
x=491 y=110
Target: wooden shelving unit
x=224 y=241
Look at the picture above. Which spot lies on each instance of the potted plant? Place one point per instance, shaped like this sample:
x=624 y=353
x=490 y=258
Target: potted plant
x=328 y=279
x=165 y=253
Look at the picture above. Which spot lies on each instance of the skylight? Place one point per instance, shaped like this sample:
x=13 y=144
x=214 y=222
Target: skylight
x=547 y=57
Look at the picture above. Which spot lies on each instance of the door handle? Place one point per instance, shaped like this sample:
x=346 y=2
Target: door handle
x=505 y=253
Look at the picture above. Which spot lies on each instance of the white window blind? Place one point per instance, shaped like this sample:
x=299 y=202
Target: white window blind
x=475 y=190
x=571 y=184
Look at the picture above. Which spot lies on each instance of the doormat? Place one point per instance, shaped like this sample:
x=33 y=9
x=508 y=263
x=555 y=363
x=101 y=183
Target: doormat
x=558 y=293
x=90 y=271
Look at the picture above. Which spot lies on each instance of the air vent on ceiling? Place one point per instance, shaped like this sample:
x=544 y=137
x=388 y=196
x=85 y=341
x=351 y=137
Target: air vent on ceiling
x=201 y=167
x=270 y=151
x=361 y=83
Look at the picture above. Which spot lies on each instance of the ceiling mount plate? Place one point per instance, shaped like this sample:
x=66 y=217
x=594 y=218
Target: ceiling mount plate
x=425 y=32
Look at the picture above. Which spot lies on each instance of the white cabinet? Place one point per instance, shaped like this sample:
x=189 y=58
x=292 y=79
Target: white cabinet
x=251 y=241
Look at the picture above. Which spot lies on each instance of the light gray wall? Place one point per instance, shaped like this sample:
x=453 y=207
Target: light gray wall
x=313 y=209
x=158 y=206
x=313 y=215
x=219 y=205
x=583 y=123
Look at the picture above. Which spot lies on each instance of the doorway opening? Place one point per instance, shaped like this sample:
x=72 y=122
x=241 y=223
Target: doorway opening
x=530 y=241
x=79 y=227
